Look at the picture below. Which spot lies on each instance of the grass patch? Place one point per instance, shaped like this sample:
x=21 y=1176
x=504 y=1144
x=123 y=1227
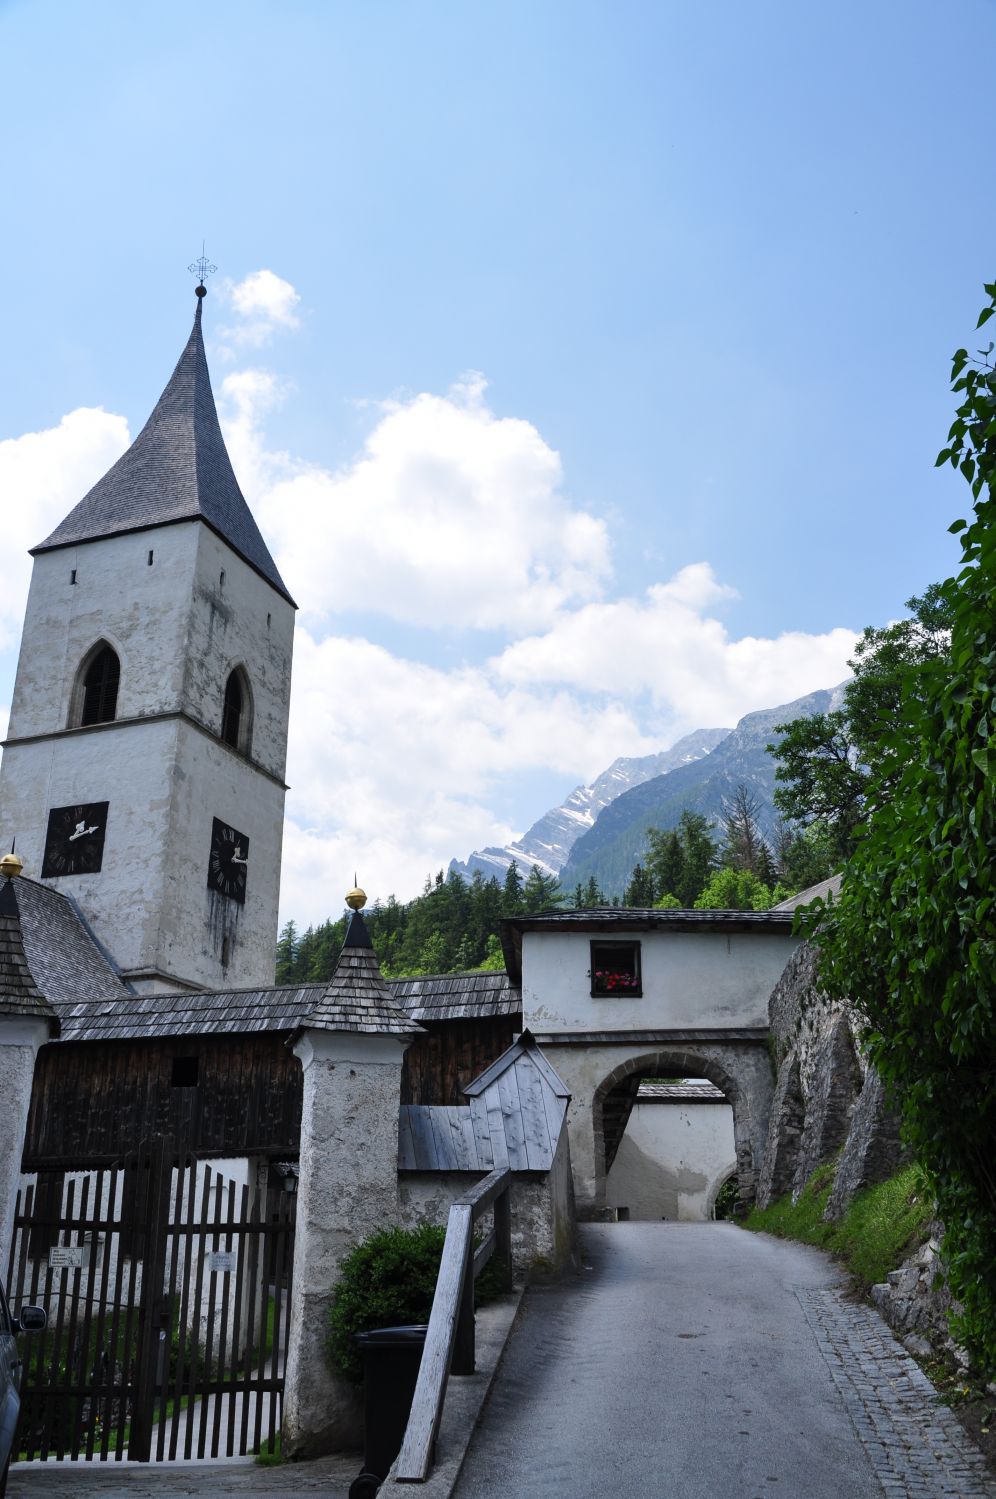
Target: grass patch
x=269 y=1454
x=881 y=1227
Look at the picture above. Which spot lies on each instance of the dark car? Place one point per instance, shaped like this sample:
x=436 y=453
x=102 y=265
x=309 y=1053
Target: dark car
x=31 y=1319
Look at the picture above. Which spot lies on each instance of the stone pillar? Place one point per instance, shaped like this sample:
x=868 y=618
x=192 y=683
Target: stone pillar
x=348 y=1188
x=20 y=1038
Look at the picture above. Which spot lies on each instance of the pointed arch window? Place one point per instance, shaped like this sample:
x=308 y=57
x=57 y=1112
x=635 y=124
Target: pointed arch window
x=95 y=699
x=236 y=713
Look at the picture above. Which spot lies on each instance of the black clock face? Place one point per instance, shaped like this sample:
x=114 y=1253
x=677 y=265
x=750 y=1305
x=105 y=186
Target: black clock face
x=228 y=862
x=74 y=843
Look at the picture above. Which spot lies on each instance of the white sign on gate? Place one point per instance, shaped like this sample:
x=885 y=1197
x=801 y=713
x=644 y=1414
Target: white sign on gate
x=66 y=1257
x=222 y=1261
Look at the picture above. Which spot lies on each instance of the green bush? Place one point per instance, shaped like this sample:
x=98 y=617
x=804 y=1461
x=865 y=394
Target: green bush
x=389 y=1280
x=881 y=1227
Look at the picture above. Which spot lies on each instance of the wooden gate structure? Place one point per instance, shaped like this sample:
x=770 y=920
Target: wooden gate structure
x=167 y=1287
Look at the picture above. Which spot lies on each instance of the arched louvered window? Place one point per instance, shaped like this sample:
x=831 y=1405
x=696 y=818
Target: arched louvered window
x=99 y=695
x=236 y=714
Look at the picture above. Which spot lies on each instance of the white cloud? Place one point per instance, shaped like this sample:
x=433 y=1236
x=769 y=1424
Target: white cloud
x=667 y=648
x=393 y=764
x=451 y=517
x=264 y=304
x=455 y=518
x=42 y=476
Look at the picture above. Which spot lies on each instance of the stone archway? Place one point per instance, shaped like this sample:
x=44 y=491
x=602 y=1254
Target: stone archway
x=593 y=1071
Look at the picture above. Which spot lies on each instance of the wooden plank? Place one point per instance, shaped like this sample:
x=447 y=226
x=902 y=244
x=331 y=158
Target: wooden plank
x=547 y=1073
x=496 y=1127
x=415 y=1457
x=425 y=1146
x=442 y=1138
x=556 y=1110
x=470 y=1143
x=482 y=1135
x=511 y=1113
x=539 y=1151
x=464 y=1150
x=406 y=1141
x=481 y=1196
x=483 y=1252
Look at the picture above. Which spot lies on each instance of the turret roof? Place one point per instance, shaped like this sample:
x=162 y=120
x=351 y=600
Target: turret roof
x=177 y=469
x=356 y=997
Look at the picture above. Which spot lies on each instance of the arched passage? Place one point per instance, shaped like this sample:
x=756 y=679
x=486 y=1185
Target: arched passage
x=615 y=1095
x=603 y=1078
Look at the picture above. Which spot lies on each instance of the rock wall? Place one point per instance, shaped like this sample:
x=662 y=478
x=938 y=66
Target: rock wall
x=828 y=1098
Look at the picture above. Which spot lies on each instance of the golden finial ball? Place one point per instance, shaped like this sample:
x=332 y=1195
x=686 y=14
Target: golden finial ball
x=356 y=899
x=11 y=866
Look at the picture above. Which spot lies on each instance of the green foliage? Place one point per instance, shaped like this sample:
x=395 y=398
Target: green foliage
x=881 y=1227
x=727 y=1198
x=824 y=762
x=389 y=1280
x=737 y=890
x=912 y=939
x=680 y=860
x=450 y=928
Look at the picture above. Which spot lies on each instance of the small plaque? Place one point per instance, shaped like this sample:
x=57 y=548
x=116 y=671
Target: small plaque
x=66 y=1257
x=222 y=1261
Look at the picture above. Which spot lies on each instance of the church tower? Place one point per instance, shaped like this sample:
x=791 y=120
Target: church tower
x=143 y=772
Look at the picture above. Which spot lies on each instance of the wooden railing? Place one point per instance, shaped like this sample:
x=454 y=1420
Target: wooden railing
x=449 y=1341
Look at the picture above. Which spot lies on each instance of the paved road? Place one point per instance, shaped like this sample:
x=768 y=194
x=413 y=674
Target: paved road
x=329 y=1476
x=702 y=1362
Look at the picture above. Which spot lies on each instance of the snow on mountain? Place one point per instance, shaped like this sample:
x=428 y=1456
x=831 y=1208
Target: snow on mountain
x=549 y=841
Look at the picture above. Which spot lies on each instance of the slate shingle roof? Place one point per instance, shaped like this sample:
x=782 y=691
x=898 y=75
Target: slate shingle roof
x=177 y=469
x=63 y=956
x=19 y=994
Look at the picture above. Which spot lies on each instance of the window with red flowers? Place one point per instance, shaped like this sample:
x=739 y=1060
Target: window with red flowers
x=615 y=970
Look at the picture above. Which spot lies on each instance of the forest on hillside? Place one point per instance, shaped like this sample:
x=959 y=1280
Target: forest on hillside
x=453 y=926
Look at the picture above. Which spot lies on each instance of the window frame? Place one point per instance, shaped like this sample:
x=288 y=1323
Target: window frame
x=630 y=946
x=78 y=696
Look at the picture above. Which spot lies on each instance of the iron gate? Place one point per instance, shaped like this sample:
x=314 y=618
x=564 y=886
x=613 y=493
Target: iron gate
x=167 y=1287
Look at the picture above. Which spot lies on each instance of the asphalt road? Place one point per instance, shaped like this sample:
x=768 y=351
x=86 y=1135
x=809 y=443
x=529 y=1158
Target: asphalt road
x=684 y=1366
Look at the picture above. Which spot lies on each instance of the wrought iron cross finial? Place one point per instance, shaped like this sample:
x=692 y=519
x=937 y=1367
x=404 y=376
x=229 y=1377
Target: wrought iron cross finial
x=202 y=267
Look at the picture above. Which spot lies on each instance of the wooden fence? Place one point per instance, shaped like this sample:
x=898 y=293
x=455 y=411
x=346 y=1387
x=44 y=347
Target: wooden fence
x=449 y=1340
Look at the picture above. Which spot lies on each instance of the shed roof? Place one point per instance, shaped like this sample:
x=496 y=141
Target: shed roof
x=177 y=469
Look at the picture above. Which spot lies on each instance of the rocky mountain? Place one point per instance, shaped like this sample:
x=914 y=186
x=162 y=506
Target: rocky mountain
x=616 y=842
x=549 y=841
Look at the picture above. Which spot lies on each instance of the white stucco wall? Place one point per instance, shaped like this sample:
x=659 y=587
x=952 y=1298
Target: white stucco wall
x=179 y=631
x=672 y=1160
x=690 y=979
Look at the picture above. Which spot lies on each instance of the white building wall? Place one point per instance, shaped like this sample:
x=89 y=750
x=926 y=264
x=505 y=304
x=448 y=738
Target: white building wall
x=179 y=630
x=672 y=1161
x=141 y=611
x=690 y=980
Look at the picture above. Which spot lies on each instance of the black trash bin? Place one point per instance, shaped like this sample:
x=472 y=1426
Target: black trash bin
x=391 y=1358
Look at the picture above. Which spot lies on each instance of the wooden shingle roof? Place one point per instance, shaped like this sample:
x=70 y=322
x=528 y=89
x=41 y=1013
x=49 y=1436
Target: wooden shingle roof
x=456 y=996
x=356 y=997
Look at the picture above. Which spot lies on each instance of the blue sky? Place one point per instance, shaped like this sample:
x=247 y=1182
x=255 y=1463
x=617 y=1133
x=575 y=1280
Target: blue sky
x=711 y=264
